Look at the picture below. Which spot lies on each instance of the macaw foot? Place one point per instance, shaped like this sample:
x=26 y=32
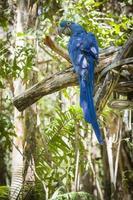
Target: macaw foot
x=74 y=71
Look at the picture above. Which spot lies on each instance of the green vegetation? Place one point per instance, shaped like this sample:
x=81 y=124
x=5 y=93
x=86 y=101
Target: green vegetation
x=4 y=193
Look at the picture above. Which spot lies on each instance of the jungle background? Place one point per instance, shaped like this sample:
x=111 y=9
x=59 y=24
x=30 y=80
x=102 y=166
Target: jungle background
x=48 y=151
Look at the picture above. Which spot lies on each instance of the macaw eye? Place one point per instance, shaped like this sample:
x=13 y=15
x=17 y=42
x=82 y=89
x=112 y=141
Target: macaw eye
x=68 y=23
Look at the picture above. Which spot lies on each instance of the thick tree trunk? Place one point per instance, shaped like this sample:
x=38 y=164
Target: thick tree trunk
x=29 y=144
x=17 y=153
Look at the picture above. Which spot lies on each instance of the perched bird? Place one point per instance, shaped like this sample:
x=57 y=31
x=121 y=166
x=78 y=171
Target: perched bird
x=83 y=52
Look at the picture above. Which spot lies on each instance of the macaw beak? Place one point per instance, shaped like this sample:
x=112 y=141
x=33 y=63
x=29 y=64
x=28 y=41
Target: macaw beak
x=64 y=30
x=60 y=31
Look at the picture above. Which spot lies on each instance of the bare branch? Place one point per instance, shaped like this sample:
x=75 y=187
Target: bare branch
x=47 y=86
x=52 y=45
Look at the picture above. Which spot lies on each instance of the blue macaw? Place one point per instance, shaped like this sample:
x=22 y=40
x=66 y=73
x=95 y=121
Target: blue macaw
x=83 y=52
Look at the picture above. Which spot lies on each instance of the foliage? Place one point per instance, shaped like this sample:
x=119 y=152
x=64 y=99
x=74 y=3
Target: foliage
x=6 y=136
x=6 y=126
x=60 y=150
x=6 y=131
x=64 y=135
x=74 y=196
x=12 y=63
x=4 y=193
x=38 y=192
x=5 y=14
x=109 y=28
x=5 y=67
x=23 y=60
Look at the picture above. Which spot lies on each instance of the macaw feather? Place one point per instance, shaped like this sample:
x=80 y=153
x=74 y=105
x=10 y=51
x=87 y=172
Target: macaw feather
x=83 y=52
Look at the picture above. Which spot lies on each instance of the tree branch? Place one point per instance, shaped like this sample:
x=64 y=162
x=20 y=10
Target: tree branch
x=62 y=79
x=125 y=51
x=116 y=64
x=47 y=86
x=52 y=45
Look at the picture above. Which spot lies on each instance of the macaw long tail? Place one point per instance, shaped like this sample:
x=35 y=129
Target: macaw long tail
x=87 y=104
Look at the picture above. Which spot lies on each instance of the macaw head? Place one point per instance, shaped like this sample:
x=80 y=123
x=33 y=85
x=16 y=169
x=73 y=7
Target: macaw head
x=69 y=28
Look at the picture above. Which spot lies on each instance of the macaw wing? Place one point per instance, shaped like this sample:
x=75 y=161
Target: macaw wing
x=90 y=46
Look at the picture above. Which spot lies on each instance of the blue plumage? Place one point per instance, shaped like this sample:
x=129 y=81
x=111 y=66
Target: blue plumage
x=83 y=52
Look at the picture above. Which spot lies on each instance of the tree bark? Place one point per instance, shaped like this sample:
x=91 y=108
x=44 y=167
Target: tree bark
x=17 y=153
x=47 y=86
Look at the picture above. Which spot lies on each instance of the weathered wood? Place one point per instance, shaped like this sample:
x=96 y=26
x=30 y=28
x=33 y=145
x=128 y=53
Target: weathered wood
x=124 y=87
x=117 y=64
x=121 y=104
x=125 y=52
x=47 y=86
